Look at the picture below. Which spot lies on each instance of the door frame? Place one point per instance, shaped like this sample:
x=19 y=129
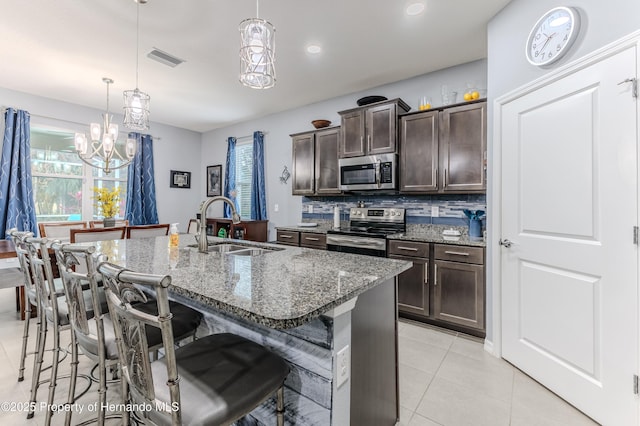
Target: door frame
x=494 y=170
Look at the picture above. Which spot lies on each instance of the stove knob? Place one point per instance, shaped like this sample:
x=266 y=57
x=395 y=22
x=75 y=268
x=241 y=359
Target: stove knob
x=386 y=213
x=393 y=212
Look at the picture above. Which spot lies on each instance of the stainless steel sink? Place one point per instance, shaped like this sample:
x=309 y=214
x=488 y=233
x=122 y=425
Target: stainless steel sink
x=226 y=248
x=236 y=249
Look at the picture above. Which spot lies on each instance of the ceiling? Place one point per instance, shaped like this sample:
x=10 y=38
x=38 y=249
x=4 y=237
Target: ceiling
x=62 y=49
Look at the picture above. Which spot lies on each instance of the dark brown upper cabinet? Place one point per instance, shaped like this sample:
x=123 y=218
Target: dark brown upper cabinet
x=444 y=151
x=371 y=129
x=315 y=162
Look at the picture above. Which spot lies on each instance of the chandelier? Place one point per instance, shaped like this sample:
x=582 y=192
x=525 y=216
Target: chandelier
x=103 y=153
x=136 y=103
x=257 y=47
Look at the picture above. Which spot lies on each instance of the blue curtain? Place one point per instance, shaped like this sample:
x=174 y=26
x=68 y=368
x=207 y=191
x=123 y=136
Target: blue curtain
x=230 y=176
x=17 y=206
x=258 y=191
x=141 y=188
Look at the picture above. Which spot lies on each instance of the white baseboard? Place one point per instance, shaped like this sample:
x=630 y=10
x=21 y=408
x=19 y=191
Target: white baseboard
x=488 y=347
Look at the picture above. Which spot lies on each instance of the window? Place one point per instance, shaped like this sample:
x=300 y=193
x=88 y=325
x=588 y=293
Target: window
x=244 y=168
x=62 y=183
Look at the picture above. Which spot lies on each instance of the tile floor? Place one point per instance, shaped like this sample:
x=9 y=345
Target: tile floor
x=446 y=378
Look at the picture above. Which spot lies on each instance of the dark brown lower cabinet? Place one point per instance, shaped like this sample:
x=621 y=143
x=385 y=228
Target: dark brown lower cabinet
x=413 y=284
x=445 y=286
x=459 y=286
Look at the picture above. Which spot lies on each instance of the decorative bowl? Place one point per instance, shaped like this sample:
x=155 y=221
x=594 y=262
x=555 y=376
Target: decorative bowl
x=370 y=99
x=319 y=124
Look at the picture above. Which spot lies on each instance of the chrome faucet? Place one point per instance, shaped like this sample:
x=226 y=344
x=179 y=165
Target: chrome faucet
x=235 y=218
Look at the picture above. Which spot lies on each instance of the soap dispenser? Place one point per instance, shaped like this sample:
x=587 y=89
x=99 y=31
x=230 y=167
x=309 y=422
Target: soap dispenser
x=174 y=237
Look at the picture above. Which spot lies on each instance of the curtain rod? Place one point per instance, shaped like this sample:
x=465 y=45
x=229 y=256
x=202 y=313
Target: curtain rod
x=4 y=109
x=251 y=135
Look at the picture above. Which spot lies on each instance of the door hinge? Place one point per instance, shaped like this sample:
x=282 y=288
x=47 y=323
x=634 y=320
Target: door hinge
x=635 y=235
x=634 y=86
x=635 y=384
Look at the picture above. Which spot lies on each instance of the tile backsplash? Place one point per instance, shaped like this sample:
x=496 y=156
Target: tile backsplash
x=418 y=207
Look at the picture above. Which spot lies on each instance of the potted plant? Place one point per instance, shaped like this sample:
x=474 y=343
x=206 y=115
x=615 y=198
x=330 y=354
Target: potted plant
x=107 y=204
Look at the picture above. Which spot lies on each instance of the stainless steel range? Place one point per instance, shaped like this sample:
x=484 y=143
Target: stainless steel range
x=367 y=231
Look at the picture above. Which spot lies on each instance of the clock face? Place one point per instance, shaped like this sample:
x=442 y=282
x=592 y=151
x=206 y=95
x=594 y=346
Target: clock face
x=552 y=36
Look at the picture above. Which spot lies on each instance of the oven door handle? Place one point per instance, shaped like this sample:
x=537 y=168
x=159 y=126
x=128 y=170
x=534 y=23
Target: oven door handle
x=353 y=241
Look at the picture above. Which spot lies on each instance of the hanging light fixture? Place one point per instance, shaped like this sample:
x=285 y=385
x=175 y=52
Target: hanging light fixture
x=136 y=103
x=257 y=69
x=103 y=153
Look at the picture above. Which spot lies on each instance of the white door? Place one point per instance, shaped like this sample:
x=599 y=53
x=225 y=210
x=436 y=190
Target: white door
x=569 y=207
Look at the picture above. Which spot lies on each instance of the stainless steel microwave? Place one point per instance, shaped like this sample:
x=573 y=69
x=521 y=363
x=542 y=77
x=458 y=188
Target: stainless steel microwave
x=368 y=172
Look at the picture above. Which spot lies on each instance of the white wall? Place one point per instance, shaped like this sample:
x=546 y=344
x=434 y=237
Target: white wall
x=508 y=69
x=173 y=149
x=278 y=127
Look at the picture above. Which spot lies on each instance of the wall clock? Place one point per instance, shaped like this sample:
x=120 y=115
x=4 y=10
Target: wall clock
x=552 y=36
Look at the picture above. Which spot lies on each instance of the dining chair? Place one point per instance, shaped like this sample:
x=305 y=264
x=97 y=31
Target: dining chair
x=147 y=231
x=59 y=230
x=97 y=234
x=95 y=333
x=193 y=226
x=214 y=380
x=100 y=223
x=33 y=254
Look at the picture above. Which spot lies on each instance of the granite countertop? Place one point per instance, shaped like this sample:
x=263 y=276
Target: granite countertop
x=322 y=228
x=433 y=234
x=415 y=232
x=283 y=288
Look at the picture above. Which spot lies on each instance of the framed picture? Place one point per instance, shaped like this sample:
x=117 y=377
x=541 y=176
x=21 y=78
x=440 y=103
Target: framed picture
x=180 y=179
x=214 y=181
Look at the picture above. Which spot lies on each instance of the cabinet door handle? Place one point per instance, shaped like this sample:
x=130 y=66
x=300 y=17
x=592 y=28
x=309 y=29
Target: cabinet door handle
x=426 y=273
x=312 y=239
x=436 y=177
x=435 y=275
x=407 y=248
x=445 y=178
x=286 y=236
x=368 y=143
x=457 y=253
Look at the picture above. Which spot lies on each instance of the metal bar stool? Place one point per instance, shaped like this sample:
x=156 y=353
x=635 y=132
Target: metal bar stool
x=36 y=264
x=95 y=334
x=222 y=377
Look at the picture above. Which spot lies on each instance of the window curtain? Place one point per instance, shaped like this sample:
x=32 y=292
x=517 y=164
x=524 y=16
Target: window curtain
x=141 y=206
x=258 y=191
x=230 y=176
x=17 y=205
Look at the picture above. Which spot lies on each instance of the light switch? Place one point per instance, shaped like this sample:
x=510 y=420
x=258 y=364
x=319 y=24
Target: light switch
x=310 y=208
x=435 y=211
x=276 y=207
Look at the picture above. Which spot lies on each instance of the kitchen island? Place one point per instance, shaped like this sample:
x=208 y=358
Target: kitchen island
x=332 y=316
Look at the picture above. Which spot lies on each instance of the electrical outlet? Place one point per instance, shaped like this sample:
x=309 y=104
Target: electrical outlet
x=310 y=208
x=435 y=211
x=276 y=207
x=343 y=365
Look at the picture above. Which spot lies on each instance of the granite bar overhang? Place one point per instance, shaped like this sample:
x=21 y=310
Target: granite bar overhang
x=281 y=288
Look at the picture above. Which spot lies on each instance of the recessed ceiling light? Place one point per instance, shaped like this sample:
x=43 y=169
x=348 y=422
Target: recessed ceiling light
x=415 y=8
x=314 y=49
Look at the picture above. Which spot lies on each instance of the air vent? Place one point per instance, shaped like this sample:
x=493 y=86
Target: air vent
x=164 y=57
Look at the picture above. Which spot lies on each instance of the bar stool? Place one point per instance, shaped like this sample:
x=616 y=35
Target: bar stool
x=95 y=334
x=215 y=380
x=36 y=264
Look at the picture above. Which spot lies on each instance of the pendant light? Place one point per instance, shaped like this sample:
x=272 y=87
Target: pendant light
x=103 y=153
x=257 y=69
x=136 y=103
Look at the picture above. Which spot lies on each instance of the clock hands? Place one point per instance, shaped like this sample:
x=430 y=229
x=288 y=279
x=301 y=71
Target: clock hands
x=549 y=37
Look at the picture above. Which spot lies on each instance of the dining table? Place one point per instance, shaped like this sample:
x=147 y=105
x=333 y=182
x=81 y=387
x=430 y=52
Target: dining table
x=9 y=259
